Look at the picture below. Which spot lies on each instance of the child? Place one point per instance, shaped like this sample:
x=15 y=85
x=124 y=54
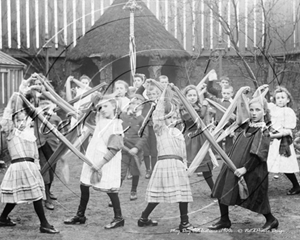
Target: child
x=224 y=82
x=134 y=120
x=163 y=79
x=77 y=91
x=282 y=157
x=138 y=80
x=23 y=181
x=121 y=88
x=153 y=94
x=249 y=155
x=47 y=143
x=227 y=93
x=169 y=181
x=194 y=140
x=104 y=152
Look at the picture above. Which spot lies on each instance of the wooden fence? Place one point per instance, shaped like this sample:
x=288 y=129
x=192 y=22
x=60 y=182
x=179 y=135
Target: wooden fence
x=29 y=24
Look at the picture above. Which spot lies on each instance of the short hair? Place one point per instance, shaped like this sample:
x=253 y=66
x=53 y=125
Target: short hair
x=226 y=79
x=163 y=77
x=228 y=87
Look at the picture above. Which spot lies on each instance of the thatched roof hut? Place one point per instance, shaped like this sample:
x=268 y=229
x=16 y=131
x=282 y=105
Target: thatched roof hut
x=107 y=43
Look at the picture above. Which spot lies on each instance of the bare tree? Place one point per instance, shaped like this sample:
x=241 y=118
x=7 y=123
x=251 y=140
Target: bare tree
x=273 y=30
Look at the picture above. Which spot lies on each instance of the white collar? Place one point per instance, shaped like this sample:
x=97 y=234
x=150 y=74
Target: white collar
x=257 y=124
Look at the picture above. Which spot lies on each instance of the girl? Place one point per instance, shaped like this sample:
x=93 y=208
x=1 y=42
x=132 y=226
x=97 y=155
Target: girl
x=121 y=89
x=22 y=181
x=169 y=181
x=249 y=154
x=138 y=80
x=104 y=152
x=282 y=157
x=194 y=140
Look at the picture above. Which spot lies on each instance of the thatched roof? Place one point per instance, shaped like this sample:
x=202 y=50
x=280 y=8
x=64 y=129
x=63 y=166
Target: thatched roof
x=109 y=36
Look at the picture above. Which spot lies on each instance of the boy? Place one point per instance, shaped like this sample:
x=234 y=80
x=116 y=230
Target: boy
x=227 y=93
x=132 y=121
x=163 y=79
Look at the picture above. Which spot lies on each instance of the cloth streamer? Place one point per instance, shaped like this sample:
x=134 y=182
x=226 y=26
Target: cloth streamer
x=243 y=189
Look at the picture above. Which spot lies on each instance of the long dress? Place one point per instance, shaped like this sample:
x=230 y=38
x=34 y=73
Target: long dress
x=282 y=117
x=250 y=150
x=97 y=148
x=169 y=181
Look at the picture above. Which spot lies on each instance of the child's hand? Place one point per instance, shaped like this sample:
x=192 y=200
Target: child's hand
x=240 y=172
x=133 y=151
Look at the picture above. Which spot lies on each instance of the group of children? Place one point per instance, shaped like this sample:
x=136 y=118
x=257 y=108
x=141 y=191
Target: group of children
x=143 y=126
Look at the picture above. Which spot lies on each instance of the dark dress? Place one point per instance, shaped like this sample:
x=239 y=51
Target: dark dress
x=194 y=140
x=250 y=150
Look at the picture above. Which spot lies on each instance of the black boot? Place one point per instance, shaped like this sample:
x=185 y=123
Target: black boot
x=78 y=218
x=118 y=220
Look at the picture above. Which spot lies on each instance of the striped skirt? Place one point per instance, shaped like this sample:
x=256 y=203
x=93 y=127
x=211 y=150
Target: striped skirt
x=22 y=182
x=169 y=183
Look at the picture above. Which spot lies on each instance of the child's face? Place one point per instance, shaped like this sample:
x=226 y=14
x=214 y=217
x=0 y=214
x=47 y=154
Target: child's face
x=171 y=120
x=164 y=81
x=256 y=112
x=85 y=81
x=281 y=99
x=227 y=93
x=108 y=109
x=224 y=83
x=20 y=121
x=120 y=89
x=133 y=105
x=152 y=94
x=191 y=96
x=137 y=82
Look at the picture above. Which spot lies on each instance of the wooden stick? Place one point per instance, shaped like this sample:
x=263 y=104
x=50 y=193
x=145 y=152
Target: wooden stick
x=217 y=131
x=39 y=114
x=242 y=184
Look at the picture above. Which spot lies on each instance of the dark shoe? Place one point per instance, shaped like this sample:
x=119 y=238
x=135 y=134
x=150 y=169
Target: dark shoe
x=220 y=225
x=52 y=196
x=116 y=222
x=75 y=220
x=133 y=196
x=7 y=222
x=293 y=191
x=49 y=205
x=148 y=174
x=110 y=204
x=142 y=222
x=270 y=225
x=50 y=230
x=188 y=228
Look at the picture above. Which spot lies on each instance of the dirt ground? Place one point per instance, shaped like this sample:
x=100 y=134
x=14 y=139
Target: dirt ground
x=203 y=212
